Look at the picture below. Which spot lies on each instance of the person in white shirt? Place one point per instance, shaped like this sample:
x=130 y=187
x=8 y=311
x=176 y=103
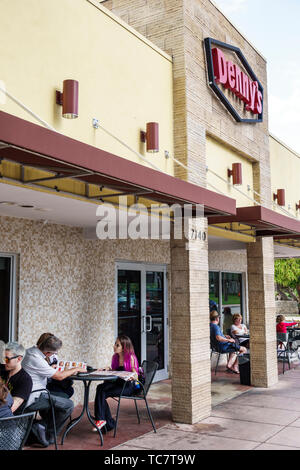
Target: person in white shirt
x=35 y=363
x=238 y=329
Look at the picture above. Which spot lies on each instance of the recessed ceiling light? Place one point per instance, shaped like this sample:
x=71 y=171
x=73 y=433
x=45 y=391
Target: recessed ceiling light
x=7 y=203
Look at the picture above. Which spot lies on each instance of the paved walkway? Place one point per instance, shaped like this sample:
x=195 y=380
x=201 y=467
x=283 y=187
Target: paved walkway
x=259 y=419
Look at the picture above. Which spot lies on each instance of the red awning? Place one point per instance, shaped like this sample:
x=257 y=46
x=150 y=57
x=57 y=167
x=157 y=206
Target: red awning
x=266 y=222
x=35 y=146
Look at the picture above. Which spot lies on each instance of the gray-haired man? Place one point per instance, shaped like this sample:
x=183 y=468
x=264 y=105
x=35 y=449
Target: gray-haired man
x=35 y=363
x=15 y=377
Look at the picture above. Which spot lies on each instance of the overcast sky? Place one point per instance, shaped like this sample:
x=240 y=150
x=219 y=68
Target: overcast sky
x=273 y=28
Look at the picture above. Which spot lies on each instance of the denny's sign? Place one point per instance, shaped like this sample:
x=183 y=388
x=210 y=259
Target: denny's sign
x=229 y=70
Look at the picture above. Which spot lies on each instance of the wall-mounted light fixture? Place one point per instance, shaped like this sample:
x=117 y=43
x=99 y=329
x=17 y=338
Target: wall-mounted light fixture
x=151 y=136
x=280 y=197
x=298 y=206
x=68 y=99
x=236 y=173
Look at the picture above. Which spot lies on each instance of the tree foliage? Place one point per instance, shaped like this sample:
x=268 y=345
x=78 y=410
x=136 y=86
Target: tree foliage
x=287 y=277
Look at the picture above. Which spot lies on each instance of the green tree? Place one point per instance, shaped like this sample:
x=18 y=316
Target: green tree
x=287 y=278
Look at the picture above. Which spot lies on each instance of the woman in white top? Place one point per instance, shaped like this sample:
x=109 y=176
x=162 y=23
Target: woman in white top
x=239 y=329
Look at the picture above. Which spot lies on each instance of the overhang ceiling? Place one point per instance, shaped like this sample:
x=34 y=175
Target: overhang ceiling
x=261 y=221
x=34 y=146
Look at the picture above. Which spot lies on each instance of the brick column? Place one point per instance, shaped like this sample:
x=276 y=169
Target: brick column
x=190 y=348
x=260 y=257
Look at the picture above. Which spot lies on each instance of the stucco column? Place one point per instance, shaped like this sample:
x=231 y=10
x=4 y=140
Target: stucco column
x=263 y=352
x=190 y=347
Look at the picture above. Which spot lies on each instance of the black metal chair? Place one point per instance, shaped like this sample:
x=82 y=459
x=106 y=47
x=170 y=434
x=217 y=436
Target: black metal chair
x=14 y=431
x=294 y=341
x=283 y=351
x=52 y=410
x=214 y=349
x=150 y=369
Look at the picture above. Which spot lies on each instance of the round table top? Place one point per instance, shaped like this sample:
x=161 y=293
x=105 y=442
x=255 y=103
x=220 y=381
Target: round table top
x=92 y=377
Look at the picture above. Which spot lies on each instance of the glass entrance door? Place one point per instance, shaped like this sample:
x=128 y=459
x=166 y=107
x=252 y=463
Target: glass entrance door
x=154 y=319
x=7 y=305
x=129 y=307
x=142 y=311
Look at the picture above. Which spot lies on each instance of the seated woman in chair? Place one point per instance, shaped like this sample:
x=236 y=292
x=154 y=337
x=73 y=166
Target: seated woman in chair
x=225 y=344
x=6 y=401
x=125 y=359
x=238 y=329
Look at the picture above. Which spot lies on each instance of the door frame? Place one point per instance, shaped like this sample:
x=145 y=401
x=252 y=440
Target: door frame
x=143 y=268
x=244 y=292
x=12 y=327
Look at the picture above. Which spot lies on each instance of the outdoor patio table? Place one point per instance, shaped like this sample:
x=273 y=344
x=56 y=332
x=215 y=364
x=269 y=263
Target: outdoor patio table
x=87 y=379
x=293 y=337
x=241 y=337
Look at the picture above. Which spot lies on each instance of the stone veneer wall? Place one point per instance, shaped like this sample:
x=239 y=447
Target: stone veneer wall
x=261 y=290
x=286 y=307
x=191 y=376
x=66 y=285
x=228 y=261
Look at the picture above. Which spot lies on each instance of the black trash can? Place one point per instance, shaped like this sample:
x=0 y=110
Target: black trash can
x=244 y=368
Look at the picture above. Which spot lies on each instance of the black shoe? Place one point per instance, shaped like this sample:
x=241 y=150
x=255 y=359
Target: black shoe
x=110 y=426
x=40 y=433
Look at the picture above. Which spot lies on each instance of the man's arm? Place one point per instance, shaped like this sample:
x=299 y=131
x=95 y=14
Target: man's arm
x=224 y=340
x=17 y=402
x=64 y=374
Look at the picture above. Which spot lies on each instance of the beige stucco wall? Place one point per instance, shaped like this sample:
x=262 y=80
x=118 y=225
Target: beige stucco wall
x=219 y=159
x=285 y=174
x=124 y=80
x=66 y=285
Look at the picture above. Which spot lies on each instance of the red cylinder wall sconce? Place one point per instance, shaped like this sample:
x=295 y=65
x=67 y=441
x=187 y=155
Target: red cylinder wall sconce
x=298 y=206
x=151 y=137
x=280 y=197
x=236 y=173
x=68 y=99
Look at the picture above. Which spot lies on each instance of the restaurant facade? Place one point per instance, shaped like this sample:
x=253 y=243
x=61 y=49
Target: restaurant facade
x=113 y=110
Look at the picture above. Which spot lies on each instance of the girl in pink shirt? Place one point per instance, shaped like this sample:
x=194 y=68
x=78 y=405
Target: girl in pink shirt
x=282 y=325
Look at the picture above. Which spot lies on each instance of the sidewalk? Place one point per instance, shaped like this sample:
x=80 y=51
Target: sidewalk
x=258 y=419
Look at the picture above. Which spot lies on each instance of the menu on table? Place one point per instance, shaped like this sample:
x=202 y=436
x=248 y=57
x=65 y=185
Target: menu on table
x=65 y=365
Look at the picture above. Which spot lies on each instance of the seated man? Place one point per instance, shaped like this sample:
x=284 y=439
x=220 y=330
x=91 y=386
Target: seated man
x=62 y=388
x=35 y=363
x=224 y=344
x=15 y=377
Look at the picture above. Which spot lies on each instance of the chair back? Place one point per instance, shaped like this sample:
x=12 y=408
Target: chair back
x=14 y=431
x=282 y=337
x=150 y=368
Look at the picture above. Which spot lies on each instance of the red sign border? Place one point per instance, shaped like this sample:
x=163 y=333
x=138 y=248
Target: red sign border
x=209 y=42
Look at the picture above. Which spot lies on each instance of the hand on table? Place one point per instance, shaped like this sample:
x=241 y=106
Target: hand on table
x=78 y=369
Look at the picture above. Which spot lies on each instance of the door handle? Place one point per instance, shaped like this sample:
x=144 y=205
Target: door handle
x=144 y=324
x=150 y=324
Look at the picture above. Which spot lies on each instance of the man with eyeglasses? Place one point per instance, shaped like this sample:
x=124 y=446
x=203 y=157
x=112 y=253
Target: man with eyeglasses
x=15 y=377
x=36 y=364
